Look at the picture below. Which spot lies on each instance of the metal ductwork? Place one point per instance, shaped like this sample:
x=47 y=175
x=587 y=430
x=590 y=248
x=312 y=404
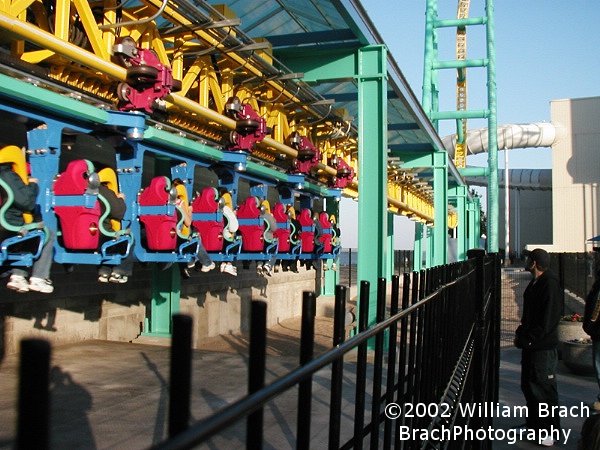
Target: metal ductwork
x=523 y=179
x=540 y=134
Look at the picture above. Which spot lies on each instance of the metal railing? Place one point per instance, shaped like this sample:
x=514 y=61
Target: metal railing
x=441 y=338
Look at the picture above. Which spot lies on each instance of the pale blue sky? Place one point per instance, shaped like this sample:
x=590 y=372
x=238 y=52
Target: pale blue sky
x=545 y=50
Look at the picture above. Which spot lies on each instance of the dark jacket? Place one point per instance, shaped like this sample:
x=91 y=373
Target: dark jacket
x=542 y=306
x=24 y=195
x=117 y=206
x=592 y=328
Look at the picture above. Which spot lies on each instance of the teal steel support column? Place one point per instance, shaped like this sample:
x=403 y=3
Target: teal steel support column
x=478 y=223
x=472 y=217
x=390 y=266
x=166 y=289
x=429 y=56
x=429 y=247
x=459 y=194
x=440 y=206
x=372 y=157
x=331 y=277
x=166 y=284
x=419 y=246
x=492 y=190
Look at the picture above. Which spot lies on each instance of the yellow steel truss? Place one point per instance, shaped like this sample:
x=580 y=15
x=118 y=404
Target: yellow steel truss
x=74 y=42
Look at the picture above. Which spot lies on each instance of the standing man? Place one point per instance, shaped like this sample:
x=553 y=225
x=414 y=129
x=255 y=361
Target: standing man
x=591 y=325
x=537 y=336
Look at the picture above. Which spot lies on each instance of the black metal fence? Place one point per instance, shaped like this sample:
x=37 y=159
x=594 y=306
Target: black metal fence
x=436 y=348
x=576 y=270
x=403 y=262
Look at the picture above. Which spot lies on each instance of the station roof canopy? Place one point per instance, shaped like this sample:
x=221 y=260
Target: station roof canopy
x=290 y=25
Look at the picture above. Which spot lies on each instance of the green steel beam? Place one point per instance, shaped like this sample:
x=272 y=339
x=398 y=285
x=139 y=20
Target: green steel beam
x=419 y=246
x=61 y=105
x=474 y=171
x=368 y=67
x=181 y=144
x=166 y=289
x=460 y=23
x=429 y=51
x=492 y=190
x=390 y=269
x=467 y=114
x=459 y=194
x=323 y=66
x=460 y=64
x=440 y=206
x=372 y=158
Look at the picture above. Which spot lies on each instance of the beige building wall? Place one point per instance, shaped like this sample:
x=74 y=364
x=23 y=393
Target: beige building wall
x=575 y=174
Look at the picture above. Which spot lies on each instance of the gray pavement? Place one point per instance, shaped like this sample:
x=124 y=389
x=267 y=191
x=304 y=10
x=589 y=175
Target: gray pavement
x=109 y=395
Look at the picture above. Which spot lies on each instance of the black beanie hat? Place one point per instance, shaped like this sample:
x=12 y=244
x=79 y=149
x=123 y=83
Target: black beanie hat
x=541 y=257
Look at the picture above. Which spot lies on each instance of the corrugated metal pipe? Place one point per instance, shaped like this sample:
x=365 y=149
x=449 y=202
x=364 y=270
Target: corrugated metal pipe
x=512 y=136
x=540 y=134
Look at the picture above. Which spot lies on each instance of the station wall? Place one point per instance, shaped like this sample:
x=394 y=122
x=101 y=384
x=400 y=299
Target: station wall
x=82 y=308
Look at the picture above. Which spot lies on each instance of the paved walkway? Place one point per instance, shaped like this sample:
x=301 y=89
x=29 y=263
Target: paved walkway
x=110 y=395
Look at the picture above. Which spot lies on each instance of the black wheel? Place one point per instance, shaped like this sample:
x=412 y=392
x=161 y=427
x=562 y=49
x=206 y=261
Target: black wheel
x=123 y=90
x=177 y=85
x=142 y=75
x=233 y=138
x=246 y=126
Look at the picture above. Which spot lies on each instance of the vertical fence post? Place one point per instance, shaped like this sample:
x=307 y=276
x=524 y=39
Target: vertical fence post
x=478 y=354
x=497 y=335
x=350 y=267
x=403 y=379
x=378 y=364
x=337 y=368
x=34 y=395
x=180 y=374
x=361 y=367
x=307 y=339
x=392 y=350
x=256 y=371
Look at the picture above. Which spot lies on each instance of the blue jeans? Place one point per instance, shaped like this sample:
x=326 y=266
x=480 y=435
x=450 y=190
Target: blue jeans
x=41 y=266
x=203 y=256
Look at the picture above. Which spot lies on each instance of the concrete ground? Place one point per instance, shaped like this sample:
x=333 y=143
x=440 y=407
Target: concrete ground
x=111 y=395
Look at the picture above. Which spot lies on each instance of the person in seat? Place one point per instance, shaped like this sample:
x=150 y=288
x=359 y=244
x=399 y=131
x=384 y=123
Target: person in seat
x=116 y=204
x=266 y=268
x=229 y=230
x=25 y=190
x=202 y=255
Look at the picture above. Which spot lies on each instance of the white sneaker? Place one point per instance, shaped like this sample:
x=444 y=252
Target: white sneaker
x=267 y=269
x=230 y=269
x=208 y=268
x=118 y=278
x=259 y=268
x=548 y=442
x=18 y=283
x=40 y=285
x=103 y=277
x=222 y=268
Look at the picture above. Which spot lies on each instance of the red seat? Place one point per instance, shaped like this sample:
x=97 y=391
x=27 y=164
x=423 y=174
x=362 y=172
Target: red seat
x=251 y=225
x=307 y=235
x=79 y=224
x=210 y=225
x=161 y=226
x=282 y=233
x=326 y=236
